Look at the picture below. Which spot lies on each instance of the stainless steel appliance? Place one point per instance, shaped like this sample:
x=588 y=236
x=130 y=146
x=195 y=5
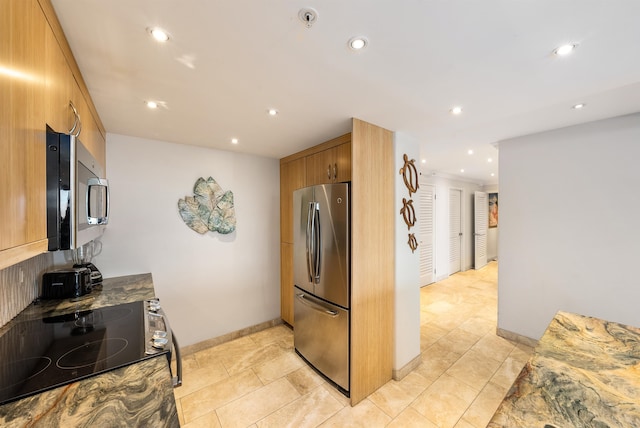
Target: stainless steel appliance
x=41 y=354
x=77 y=193
x=321 y=275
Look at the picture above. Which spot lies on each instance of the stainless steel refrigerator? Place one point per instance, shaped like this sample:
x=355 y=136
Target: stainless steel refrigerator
x=321 y=275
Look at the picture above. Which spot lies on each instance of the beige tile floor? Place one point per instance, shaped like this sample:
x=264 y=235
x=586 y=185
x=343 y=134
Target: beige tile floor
x=259 y=381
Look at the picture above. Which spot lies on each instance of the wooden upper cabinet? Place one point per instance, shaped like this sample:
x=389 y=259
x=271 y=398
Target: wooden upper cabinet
x=343 y=162
x=330 y=166
x=58 y=86
x=42 y=79
x=22 y=132
x=63 y=85
x=292 y=177
x=90 y=134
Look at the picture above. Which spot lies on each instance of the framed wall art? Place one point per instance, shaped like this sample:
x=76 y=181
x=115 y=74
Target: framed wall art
x=493 y=210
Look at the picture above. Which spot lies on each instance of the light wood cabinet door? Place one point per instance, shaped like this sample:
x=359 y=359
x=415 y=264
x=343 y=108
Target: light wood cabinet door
x=62 y=88
x=329 y=166
x=319 y=167
x=22 y=131
x=89 y=134
x=286 y=285
x=58 y=86
x=292 y=177
x=342 y=162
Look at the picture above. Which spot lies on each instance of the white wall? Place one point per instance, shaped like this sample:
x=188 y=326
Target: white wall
x=209 y=284
x=407 y=269
x=569 y=225
x=442 y=186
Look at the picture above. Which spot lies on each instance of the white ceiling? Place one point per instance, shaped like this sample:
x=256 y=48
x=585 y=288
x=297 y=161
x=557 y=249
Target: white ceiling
x=229 y=61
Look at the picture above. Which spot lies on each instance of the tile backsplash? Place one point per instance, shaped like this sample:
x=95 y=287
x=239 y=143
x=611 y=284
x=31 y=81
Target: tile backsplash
x=20 y=285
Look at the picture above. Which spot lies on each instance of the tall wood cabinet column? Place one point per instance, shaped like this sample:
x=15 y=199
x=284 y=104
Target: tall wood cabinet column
x=363 y=157
x=292 y=177
x=372 y=259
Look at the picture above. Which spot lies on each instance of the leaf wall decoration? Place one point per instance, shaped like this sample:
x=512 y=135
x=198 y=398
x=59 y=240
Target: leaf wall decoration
x=210 y=209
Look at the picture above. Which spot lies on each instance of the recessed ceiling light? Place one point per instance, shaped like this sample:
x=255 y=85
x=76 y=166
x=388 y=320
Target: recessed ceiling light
x=159 y=34
x=152 y=104
x=234 y=141
x=579 y=106
x=462 y=170
x=456 y=110
x=564 y=50
x=470 y=152
x=358 y=43
x=489 y=160
x=492 y=174
x=273 y=112
x=424 y=161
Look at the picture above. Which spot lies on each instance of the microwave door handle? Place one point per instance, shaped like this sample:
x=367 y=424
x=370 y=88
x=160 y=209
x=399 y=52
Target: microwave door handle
x=105 y=219
x=103 y=183
x=309 y=242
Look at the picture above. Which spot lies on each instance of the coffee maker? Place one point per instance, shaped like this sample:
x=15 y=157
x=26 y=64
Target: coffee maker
x=82 y=257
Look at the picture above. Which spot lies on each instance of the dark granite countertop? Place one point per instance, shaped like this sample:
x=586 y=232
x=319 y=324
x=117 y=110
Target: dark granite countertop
x=585 y=372
x=137 y=395
x=113 y=291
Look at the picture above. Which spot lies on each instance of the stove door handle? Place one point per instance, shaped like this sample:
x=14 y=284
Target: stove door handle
x=176 y=380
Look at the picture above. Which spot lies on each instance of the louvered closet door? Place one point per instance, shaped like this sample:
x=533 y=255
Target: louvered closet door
x=481 y=224
x=425 y=223
x=455 y=230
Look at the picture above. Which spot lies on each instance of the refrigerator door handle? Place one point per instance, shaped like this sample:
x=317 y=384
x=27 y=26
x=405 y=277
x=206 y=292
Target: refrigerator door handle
x=309 y=241
x=317 y=244
x=316 y=307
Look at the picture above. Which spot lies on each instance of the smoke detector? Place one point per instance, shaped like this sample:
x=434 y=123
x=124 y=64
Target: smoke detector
x=308 y=16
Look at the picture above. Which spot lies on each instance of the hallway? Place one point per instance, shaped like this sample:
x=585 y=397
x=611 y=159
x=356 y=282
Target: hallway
x=259 y=381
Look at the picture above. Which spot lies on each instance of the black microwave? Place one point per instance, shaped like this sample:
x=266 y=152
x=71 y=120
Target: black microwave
x=77 y=193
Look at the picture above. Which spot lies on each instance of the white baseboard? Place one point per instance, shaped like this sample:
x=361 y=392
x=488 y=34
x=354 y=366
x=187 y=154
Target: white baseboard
x=398 y=374
x=192 y=349
x=509 y=335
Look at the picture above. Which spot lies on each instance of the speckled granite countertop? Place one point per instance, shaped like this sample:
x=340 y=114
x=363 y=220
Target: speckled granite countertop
x=585 y=372
x=134 y=396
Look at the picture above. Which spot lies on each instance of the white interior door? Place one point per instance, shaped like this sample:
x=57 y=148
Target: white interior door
x=481 y=224
x=425 y=226
x=455 y=230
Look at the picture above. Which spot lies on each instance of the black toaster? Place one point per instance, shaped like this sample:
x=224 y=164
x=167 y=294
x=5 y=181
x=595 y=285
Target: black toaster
x=60 y=284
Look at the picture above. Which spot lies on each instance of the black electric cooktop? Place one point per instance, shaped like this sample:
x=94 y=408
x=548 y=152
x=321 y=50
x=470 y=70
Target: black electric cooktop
x=38 y=355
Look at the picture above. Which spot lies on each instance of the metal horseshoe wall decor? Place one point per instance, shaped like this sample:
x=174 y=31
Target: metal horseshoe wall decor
x=409 y=174
x=408 y=213
x=413 y=242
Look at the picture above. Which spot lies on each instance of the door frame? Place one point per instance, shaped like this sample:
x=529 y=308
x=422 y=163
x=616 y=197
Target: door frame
x=484 y=220
x=462 y=221
x=423 y=183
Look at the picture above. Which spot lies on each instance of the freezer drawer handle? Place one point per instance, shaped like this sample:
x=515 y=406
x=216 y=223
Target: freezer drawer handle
x=316 y=307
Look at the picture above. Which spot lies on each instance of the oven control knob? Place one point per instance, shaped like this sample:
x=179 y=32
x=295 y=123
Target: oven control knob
x=154 y=306
x=159 y=334
x=159 y=342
